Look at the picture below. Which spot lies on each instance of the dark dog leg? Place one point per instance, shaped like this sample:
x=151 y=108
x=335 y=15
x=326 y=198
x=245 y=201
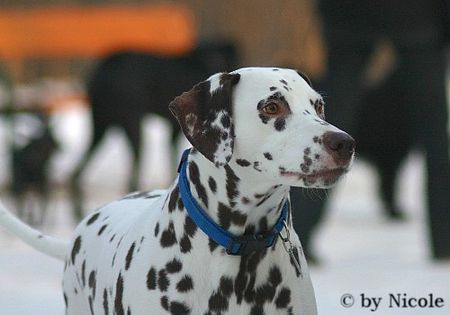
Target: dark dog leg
x=75 y=187
x=133 y=133
x=388 y=175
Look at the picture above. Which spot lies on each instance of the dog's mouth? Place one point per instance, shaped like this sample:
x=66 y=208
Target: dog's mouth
x=326 y=176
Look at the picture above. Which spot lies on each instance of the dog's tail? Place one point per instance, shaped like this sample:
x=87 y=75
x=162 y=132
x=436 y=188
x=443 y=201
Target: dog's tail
x=43 y=243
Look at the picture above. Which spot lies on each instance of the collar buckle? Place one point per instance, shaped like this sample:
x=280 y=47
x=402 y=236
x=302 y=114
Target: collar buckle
x=248 y=244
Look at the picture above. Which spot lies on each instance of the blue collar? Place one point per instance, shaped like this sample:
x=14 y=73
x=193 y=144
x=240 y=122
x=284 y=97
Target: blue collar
x=235 y=245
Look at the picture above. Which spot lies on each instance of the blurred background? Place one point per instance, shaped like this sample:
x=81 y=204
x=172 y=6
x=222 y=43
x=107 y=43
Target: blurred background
x=84 y=89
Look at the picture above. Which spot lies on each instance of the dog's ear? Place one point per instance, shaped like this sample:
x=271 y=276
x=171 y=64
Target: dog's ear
x=205 y=116
x=305 y=77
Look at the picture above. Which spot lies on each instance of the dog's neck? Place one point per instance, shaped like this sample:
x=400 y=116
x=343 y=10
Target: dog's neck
x=234 y=198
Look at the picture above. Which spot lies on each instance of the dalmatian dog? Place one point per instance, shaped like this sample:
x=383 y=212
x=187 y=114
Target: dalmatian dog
x=254 y=133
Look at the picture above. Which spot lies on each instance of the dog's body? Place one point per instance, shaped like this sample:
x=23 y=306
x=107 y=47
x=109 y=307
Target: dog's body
x=254 y=132
x=30 y=163
x=387 y=148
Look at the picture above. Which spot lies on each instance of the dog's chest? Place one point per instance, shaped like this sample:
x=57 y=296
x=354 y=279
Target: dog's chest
x=134 y=258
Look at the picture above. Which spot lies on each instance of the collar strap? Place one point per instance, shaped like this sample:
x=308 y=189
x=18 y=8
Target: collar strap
x=235 y=245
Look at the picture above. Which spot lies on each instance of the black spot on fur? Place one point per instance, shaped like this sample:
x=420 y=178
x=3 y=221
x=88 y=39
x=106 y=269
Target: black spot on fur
x=174 y=266
x=272 y=88
x=93 y=218
x=165 y=303
x=244 y=284
x=264 y=293
x=226 y=286
x=163 y=281
x=212 y=245
x=243 y=163
x=231 y=185
x=194 y=176
x=180 y=205
x=91 y=306
x=185 y=244
x=174 y=195
x=212 y=184
x=185 y=284
x=263 y=227
x=280 y=124
x=151 y=279
x=226 y=121
x=76 y=249
x=102 y=229
x=238 y=218
x=264 y=198
x=129 y=256
x=156 y=229
x=83 y=273
x=257 y=310
x=284 y=82
x=218 y=303
x=268 y=156
x=284 y=298
x=66 y=302
x=93 y=282
x=275 y=277
x=224 y=215
x=105 y=302
x=189 y=226
x=256 y=166
x=118 y=307
x=177 y=308
x=168 y=237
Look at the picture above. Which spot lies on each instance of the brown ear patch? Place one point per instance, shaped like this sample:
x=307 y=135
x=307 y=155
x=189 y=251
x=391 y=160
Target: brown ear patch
x=205 y=117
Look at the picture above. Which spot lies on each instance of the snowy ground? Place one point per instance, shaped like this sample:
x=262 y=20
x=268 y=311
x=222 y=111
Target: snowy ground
x=361 y=253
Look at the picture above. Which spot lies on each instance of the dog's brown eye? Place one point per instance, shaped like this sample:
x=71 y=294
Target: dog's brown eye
x=271 y=109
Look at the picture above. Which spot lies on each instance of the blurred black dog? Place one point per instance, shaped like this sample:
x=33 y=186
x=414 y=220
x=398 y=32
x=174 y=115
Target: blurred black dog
x=384 y=134
x=31 y=156
x=127 y=85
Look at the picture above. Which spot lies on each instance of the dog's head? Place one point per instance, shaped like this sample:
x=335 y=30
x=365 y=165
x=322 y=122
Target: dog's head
x=268 y=121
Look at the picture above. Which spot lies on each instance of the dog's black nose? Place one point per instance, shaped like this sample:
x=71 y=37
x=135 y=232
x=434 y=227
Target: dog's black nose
x=340 y=145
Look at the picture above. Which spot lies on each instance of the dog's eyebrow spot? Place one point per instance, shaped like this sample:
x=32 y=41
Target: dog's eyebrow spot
x=273 y=88
x=284 y=82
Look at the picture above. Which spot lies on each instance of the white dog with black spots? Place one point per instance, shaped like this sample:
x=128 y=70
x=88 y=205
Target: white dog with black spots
x=254 y=133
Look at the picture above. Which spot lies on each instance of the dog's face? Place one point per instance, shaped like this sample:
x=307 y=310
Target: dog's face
x=268 y=121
